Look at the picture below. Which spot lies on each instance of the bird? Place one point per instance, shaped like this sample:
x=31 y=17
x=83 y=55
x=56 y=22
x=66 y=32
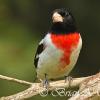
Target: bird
x=58 y=52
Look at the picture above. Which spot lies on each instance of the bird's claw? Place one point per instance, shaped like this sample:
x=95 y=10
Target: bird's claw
x=46 y=83
x=68 y=79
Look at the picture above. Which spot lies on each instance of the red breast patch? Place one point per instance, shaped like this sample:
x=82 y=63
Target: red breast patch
x=66 y=42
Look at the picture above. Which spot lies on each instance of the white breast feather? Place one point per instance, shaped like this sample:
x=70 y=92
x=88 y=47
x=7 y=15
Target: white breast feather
x=49 y=60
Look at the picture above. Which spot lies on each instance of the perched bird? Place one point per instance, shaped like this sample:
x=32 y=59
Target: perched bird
x=58 y=51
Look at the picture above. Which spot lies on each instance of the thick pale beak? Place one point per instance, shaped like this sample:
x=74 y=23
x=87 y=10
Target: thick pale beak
x=57 y=17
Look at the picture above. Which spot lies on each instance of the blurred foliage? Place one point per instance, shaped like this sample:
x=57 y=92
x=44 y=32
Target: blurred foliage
x=24 y=22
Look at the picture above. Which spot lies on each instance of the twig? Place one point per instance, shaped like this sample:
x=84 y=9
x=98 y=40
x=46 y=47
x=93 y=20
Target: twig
x=15 y=80
x=37 y=88
x=89 y=89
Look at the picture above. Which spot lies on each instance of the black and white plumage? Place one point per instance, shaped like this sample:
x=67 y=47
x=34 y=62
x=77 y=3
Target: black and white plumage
x=38 y=52
x=52 y=57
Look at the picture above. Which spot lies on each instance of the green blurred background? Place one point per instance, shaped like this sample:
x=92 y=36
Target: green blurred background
x=23 y=24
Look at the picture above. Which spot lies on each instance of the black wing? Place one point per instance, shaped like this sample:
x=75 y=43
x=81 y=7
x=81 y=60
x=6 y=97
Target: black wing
x=38 y=52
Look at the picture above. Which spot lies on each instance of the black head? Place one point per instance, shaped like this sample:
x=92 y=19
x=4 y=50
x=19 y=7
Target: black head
x=62 y=21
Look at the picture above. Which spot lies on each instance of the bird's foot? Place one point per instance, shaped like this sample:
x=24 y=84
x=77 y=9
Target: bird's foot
x=68 y=79
x=45 y=82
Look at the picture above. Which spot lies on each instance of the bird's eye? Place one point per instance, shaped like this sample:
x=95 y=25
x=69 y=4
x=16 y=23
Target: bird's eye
x=63 y=13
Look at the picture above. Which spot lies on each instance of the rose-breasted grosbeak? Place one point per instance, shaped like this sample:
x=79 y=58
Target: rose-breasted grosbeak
x=58 y=52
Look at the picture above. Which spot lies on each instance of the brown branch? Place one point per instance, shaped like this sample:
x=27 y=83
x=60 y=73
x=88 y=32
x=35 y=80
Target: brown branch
x=91 y=83
x=15 y=80
x=37 y=88
x=89 y=89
